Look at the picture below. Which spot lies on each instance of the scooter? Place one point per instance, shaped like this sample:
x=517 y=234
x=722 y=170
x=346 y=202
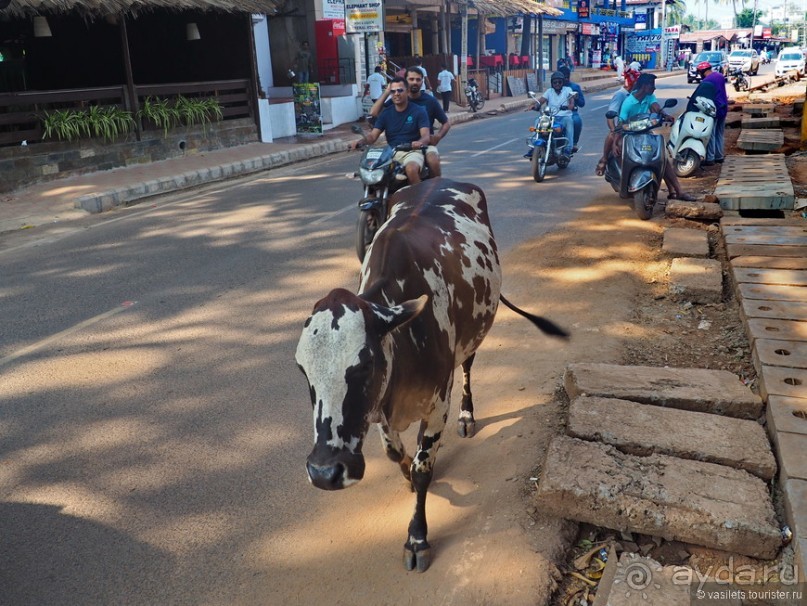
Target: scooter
x=547 y=142
x=474 y=96
x=739 y=80
x=690 y=135
x=643 y=160
x=381 y=177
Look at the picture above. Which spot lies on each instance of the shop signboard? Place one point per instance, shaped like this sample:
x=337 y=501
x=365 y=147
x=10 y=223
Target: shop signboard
x=640 y=21
x=333 y=9
x=364 y=16
x=307 y=112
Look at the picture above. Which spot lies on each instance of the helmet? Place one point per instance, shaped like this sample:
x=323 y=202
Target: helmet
x=565 y=71
x=631 y=75
x=703 y=66
x=557 y=76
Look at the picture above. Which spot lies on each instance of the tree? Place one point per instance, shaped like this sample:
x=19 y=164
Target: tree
x=747 y=18
x=696 y=24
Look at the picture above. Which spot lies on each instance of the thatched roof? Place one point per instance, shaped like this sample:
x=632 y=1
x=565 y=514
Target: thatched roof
x=508 y=8
x=102 y=8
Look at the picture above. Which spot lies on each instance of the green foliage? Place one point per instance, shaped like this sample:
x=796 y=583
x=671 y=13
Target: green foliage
x=184 y=110
x=96 y=121
x=745 y=18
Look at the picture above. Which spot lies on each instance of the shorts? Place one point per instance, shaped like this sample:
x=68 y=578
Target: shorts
x=406 y=157
x=432 y=150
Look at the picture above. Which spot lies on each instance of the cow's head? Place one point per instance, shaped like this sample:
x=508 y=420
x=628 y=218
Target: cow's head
x=345 y=354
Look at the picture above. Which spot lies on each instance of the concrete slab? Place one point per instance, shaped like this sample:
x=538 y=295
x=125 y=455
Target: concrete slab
x=764 y=122
x=795 y=493
x=734 y=220
x=759 y=275
x=800 y=559
x=779 y=381
x=771 y=262
x=792 y=462
x=640 y=429
x=776 y=310
x=712 y=391
x=769 y=250
x=638 y=581
x=760 y=140
x=755 y=182
x=767 y=328
x=679 y=242
x=758 y=109
x=786 y=237
x=677 y=499
x=774 y=352
x=773 y=292
x=696 y=280
x=786 y=415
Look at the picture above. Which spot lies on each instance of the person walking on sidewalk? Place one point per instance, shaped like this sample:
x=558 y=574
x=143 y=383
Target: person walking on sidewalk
x=404 y=122
x=444 y=80
x=375 y=84
x=434 y=111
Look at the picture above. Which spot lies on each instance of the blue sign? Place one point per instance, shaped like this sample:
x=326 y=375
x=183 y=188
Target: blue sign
x=640 y=21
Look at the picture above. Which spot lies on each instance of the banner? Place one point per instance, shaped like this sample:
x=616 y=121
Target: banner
x=307 y=114
x=333 y=9
x=364 y=16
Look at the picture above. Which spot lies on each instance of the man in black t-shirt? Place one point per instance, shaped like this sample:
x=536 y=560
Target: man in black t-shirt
x=404 y=122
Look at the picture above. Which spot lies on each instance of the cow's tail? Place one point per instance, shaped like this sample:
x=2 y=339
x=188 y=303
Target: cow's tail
x=543 y=324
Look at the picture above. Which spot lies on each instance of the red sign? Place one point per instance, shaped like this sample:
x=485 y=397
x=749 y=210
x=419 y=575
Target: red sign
x=766 y=32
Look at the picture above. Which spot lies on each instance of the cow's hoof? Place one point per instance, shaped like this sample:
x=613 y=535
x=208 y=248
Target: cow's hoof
x=417 y=560
x=466 y=428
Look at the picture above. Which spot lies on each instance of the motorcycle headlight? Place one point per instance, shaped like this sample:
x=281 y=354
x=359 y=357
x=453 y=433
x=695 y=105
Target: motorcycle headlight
x=371 y=176
x=639 y=125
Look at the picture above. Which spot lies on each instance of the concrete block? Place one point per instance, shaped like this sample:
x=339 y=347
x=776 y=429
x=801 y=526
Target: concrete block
x=786 y=415
x=696 y=280
x=782 y=381
x=795 y=498
x=792 y=459
x=677 y=499
x=640 y=429
x=680 y=242
x=712 y=391
x=638 y=581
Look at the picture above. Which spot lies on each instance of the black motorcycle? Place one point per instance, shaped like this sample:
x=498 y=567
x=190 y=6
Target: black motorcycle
x=381 y=175
x=739 y=80
x=474 y=96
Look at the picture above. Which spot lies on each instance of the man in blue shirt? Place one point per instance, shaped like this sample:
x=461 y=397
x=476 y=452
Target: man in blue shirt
x=404 y=122
x=434 y=111
x=579 y=101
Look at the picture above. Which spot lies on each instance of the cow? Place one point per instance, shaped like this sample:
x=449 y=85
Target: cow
x=429 y=290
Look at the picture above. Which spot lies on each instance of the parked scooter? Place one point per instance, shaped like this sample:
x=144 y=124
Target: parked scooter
x=643 y=160
x=739 y=80
x=474 y=96
x=381 y=177
x=547 y=142
x=690 y=136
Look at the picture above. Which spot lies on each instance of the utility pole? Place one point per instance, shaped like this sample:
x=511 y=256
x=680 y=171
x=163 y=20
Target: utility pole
x=754 y=24
x=463 y=6
x=663 y=52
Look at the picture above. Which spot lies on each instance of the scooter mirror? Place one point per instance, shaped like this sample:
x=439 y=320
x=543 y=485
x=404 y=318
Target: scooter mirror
x=532 y=95
x=670 y=103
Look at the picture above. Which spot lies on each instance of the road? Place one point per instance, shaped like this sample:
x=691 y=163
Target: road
x=154 y=426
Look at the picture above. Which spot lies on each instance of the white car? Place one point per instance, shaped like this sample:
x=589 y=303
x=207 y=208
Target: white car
x=747 y=59
x=790 y=59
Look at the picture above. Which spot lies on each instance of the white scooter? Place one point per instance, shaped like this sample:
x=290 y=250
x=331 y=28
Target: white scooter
x=690 y=135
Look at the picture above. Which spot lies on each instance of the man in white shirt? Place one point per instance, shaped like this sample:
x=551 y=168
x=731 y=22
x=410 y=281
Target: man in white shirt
x=559 y=97
x=375 y=84
x=444 y=79
x=619 y=65
x=426 y=85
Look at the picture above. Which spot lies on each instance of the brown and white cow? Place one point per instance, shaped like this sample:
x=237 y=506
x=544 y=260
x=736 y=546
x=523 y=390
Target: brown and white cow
x=429 y=291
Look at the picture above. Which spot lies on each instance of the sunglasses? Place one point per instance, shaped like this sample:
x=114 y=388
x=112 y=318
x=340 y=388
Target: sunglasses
x=397 y=91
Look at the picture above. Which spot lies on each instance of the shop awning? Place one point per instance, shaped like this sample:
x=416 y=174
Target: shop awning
x=103 y=8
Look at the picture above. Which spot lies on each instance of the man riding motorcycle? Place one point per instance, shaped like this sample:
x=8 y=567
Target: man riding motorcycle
x=559 y=97
x=579 y=101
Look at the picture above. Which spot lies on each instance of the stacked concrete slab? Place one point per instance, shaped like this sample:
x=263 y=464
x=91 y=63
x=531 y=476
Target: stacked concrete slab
x=665 y=452
x=768 y=262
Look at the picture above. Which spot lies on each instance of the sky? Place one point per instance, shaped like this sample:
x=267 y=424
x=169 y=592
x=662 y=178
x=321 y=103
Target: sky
x=723 y=11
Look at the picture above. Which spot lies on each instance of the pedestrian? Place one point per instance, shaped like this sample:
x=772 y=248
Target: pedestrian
x=619 y=65
x=444 y=79
x=714 y=151
x=426 y=85
x=302 y=62
x=375 y=84
x=579 y=101
x=635 y=66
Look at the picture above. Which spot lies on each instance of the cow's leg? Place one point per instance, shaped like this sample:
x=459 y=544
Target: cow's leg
x=417 y=551
x=395 y=449
x=466 y=424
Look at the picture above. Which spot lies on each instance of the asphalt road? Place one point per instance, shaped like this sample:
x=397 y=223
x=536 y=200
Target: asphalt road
x=153 y=424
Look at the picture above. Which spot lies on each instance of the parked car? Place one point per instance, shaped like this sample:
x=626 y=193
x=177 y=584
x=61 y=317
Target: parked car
x=789 y=59
x=718 y=59
x=747 y=59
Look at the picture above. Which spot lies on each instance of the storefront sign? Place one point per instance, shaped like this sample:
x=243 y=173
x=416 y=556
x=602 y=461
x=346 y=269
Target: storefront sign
x=640 y=21
x=333 y=9
x=582 y=9
x=589 y=29
x=364 y=16
x=673 y=32
x=554 y=27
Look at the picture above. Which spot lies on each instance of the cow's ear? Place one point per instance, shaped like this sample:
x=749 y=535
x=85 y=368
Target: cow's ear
x=398 y=315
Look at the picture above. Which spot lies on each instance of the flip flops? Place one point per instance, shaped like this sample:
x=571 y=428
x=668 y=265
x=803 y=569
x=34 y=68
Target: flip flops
x=600 y=170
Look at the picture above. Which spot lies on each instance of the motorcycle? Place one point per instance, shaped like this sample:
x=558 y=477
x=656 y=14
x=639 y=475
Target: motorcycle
x=547 y=142
x=690 y=135
x=381 y=175
x=643 y=160
x=474 y=96
x=739 y=80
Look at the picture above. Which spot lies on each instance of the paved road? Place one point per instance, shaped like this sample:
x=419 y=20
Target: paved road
x=153 y=425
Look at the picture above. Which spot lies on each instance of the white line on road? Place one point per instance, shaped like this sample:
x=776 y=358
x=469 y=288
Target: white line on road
x=81 y=325
x=479 y=153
